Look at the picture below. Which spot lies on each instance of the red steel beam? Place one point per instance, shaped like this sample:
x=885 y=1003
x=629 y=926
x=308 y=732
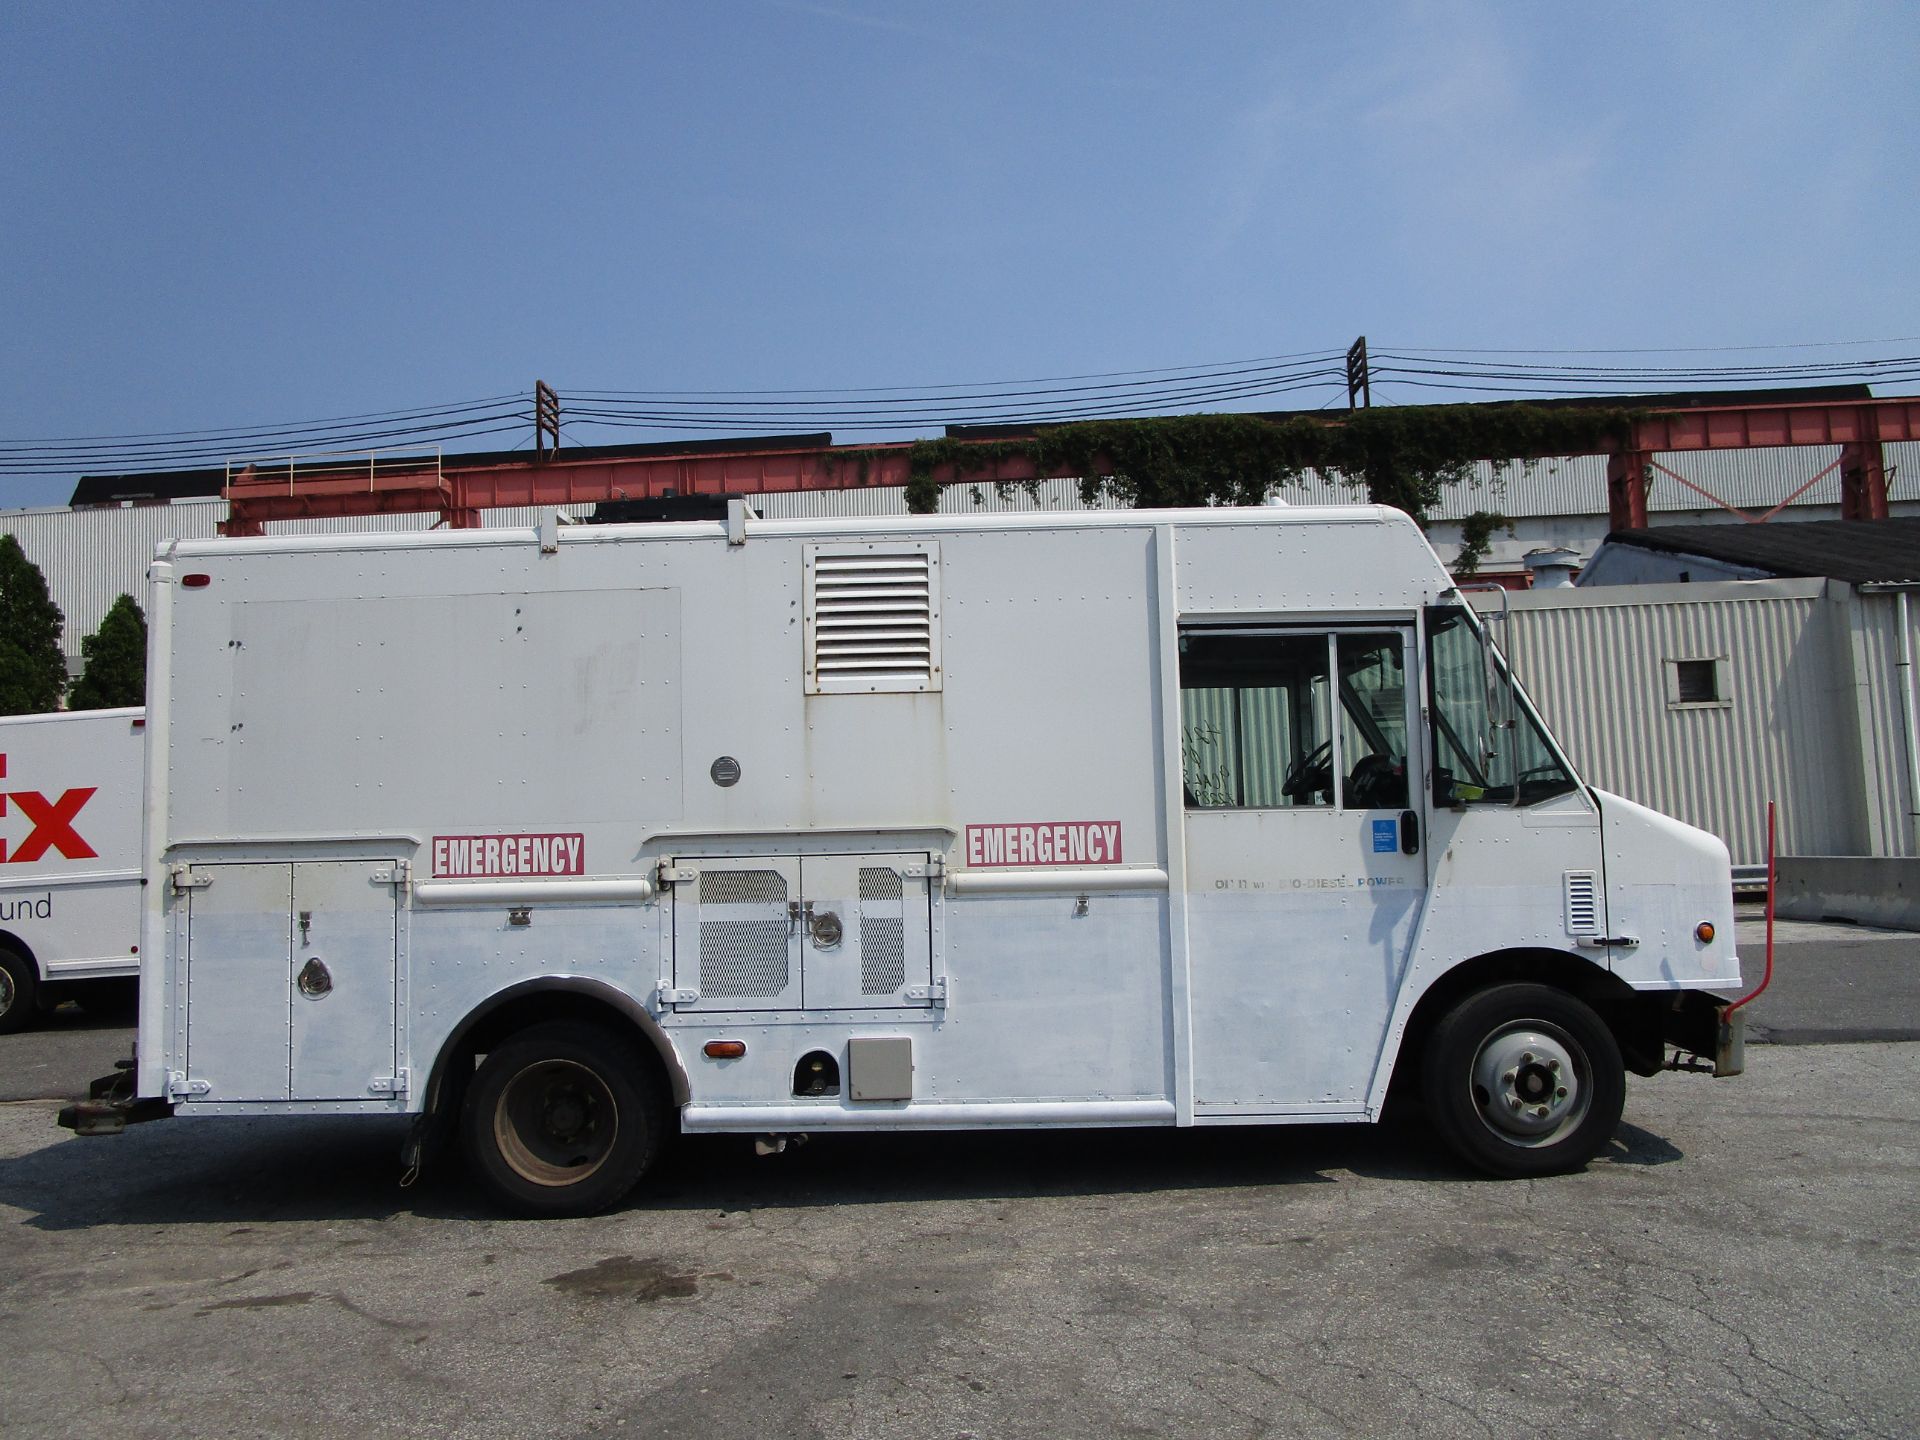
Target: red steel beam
x=1752 y=427
x=1859 y=427
x=459 y=492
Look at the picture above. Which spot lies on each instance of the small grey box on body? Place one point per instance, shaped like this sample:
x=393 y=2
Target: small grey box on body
x=880 y=1068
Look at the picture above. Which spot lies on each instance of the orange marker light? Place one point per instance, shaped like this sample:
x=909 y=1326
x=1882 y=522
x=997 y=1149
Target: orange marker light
x=1703 y=932
x=724 y=1049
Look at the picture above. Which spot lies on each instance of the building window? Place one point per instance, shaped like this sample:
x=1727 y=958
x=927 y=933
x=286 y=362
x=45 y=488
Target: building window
x=1697 y=684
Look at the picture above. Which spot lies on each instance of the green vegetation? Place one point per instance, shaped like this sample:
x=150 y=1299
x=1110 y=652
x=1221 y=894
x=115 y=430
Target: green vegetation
x=115 y=672
x=1403 y=456
x=33 y=672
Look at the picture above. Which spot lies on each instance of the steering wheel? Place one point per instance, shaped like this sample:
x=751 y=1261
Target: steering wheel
x=1312 y=772
x=1377 y=783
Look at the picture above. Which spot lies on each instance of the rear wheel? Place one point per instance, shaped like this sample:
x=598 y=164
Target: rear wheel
x=1524 y=1080
x=563 y=1118
x=18 y=983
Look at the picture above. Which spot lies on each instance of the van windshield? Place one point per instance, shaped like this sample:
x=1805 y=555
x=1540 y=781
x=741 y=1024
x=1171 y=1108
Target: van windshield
x=1488 y=745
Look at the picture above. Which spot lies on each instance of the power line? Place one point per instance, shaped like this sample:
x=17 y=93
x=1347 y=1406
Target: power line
x=907 y=408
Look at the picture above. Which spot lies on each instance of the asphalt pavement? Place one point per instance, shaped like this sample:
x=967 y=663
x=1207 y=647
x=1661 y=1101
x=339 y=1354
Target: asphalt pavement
x=1742 y=1261
x=1832 y=983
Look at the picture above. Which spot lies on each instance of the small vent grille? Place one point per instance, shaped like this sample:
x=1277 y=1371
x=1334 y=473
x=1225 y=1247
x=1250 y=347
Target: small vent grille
x=883 y=954
x=1583 y=903
x=879 y=883
x=743 y=957
x=742 y=887
x=873 y=619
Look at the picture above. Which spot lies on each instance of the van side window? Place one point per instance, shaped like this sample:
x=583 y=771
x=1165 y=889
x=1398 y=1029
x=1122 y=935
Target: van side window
x=1489 y=749
x=1373 y=722
x=1254 y=721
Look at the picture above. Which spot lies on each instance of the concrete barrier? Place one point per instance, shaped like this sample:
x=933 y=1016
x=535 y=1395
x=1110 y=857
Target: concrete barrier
x=1866 y=889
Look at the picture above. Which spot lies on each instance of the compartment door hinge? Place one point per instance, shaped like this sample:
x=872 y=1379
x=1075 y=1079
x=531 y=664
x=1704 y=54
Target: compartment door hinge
x=670 y=996
x=396 y=873
x=184 y=879
x=672 y=874
x=394 y=1084
x=179 y=1087
x=934 y=994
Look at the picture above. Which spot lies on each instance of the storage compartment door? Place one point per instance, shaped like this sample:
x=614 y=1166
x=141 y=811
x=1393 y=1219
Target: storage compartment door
x=867 y=936
x=736 y=925
x=342 y=981
x=239 y=949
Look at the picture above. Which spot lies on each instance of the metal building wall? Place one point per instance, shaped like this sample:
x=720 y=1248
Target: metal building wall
x=1597 y=663
x=1869 y=623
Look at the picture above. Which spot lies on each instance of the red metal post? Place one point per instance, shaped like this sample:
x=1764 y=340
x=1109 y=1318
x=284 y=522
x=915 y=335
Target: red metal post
x=1863 y=481
x=1627 y=490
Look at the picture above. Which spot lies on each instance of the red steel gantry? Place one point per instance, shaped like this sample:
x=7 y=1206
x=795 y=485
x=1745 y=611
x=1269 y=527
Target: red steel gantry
x=459 y=490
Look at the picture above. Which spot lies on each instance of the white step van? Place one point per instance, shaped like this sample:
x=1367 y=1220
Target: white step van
x=70 y=790
x=569 y=838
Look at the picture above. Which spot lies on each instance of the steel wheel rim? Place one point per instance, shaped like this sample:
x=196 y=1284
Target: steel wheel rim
x=555 y=1122
x=8 y=992
x=1531 y=1083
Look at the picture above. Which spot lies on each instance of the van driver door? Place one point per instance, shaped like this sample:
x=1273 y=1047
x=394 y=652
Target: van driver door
x=1305 y=868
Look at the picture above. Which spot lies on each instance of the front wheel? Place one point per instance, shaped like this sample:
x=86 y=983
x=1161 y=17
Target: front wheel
x=563 y=1119
x=1524 y=1080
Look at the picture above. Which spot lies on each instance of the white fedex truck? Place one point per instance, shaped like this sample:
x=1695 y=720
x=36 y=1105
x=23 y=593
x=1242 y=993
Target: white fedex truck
x=70 y=792
x=561 y=838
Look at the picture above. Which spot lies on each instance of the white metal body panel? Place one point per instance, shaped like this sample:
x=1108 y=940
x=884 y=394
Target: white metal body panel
x=238 y=974
x=558 y=742
x=70 y=864
x=345 y=932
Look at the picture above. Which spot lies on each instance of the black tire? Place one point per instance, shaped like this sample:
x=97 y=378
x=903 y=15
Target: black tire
x=19 y=984
x=563 y=1119
x=1502 y=1057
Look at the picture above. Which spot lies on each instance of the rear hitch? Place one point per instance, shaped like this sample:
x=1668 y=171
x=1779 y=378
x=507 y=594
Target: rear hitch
x=111 y=1105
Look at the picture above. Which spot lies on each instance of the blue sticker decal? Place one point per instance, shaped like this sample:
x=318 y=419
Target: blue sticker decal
x=1386 y=837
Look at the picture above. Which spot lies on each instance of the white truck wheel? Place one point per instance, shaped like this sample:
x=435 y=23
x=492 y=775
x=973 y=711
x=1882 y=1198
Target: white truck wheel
x=563 y=1119
x=1524 y=1080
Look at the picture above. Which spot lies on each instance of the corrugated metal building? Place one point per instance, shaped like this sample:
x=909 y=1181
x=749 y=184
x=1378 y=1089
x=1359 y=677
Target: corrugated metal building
x=1707 y=700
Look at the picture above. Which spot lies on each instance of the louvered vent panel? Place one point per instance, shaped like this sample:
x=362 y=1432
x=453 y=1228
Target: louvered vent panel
x=873 y=619
x=1583 y=902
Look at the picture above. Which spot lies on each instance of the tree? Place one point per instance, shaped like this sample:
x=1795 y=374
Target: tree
x=33 y=672
x=115 y=672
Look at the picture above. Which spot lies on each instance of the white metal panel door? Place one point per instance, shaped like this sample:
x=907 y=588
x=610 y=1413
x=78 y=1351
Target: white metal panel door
x=866 y=933
x=239 y=948
x=1304 y=798
x=736 y=933
x=343 y=980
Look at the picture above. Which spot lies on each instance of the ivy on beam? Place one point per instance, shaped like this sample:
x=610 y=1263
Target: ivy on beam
x=1403 y=456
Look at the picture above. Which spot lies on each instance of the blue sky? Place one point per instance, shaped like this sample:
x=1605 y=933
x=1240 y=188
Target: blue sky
x=228 y=214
